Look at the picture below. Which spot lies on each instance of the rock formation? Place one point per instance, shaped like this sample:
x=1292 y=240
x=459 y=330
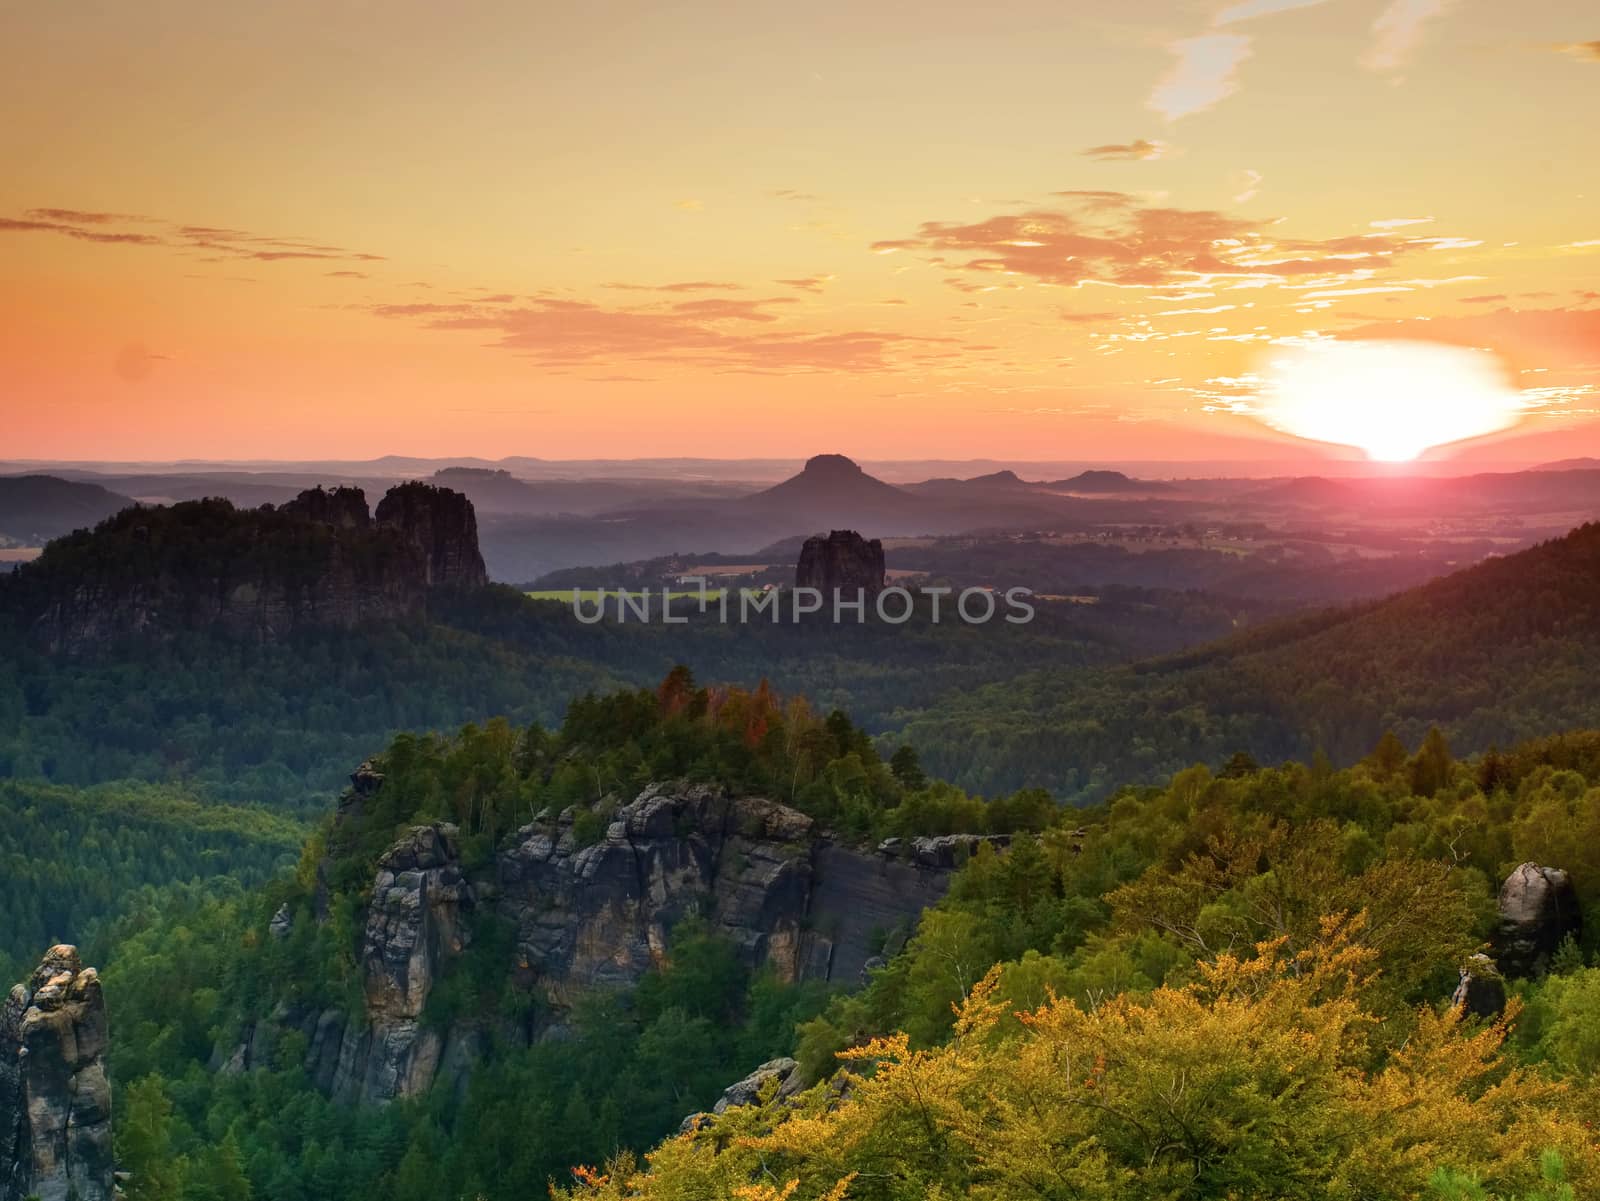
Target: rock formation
x=443 y=525
x=598 y=916
x=841 y=564
x=1538 y=911
x=1481 y=991
x=345 y=508
x=785 y=1071
x=319 y=561
x=55 y=1098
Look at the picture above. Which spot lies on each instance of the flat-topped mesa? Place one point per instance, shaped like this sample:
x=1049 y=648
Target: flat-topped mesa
x=55 y=1097
x=841 y=564
x=444 y=526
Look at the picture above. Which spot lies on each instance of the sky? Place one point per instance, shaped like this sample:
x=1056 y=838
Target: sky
x=1020 y=229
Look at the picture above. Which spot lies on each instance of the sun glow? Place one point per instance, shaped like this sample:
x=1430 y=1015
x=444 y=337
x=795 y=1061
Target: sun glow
x=1391 y=399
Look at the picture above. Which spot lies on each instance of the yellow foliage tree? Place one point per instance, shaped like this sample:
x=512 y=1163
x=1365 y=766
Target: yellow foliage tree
x=1254 y=1081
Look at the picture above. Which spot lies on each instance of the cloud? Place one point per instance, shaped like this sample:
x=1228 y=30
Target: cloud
x=1089 y=241
x=692 y=285
x=347 y=275
x=1088 y=318
x=731 y=310
x=1204 y=75
x=728 y=335
x=1583 y=51
x=689 y=205
x=809 y=283
x=791 y=194
x=1489 y=299
x=221 y=243
x=1399 y=222
x=1247 y=10
x=1249 y=185
x=1138 y=149
x=80 y=217
x=1398 y=32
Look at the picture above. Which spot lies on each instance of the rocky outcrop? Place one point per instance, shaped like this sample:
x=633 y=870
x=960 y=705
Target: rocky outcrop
x=258 y=574
x=343 y=508
x=593 y=915
x=443 y=526
x=55 y=1098
x=756 y=871
x=1538 y=911
x=1481 y=990
x=783 y=1075
x=843 y=564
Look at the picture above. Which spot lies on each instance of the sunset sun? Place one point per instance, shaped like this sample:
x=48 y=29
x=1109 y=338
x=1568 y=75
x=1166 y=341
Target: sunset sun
x=1392 y=399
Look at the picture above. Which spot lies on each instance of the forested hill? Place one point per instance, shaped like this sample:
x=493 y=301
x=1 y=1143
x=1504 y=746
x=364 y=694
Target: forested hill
x=36 y=508
x=1499 y=652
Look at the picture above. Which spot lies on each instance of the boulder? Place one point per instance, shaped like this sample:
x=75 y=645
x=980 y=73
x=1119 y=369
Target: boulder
x=55 y=1097
x=1538 y=911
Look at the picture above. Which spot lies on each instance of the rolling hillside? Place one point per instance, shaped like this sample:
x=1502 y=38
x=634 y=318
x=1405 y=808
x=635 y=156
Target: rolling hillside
x=1503 y=651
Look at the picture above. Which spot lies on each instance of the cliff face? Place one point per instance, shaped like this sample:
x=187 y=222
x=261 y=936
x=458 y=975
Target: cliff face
x=843 y=561
x=319 y=561
x=600 y=917
x=55 y=1098
x=443 y=526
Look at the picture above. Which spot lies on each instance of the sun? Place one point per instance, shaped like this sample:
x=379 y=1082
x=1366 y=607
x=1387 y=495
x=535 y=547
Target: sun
x=1391 y=399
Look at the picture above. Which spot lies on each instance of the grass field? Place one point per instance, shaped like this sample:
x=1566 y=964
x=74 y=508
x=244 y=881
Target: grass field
x=590 y=596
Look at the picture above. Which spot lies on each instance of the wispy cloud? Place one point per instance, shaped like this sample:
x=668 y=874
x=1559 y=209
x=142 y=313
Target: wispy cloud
x=1247 y=10
x=808 y=283
x=1139 y=148
x=1585 y=51
x=717 y=333
x=688 y=285
x=1249 y=184
x=1398 y=32
x=216 y=242
x=1205 y=74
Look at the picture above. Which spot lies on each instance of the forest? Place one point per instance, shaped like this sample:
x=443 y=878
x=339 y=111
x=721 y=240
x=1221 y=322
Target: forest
x=1277 y=944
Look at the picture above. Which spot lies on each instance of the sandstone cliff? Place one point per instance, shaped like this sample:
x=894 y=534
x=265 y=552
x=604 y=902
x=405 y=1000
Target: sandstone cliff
x=844 y=561
x=319 y=561
x=599 y=916
x=55 y=1098
x=442 y=525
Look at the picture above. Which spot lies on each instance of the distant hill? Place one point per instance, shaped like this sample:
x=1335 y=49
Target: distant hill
x=1107 y=482
x=832 y=490
x=1312 y=490
x=1501 y=652
x=995 y=483
x=36 y=508
x=1587 y=464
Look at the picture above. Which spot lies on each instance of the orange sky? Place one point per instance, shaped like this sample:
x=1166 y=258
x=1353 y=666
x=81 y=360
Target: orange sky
x=1035 y=230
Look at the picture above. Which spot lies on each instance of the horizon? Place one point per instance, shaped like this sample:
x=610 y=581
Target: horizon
x=708 y=249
